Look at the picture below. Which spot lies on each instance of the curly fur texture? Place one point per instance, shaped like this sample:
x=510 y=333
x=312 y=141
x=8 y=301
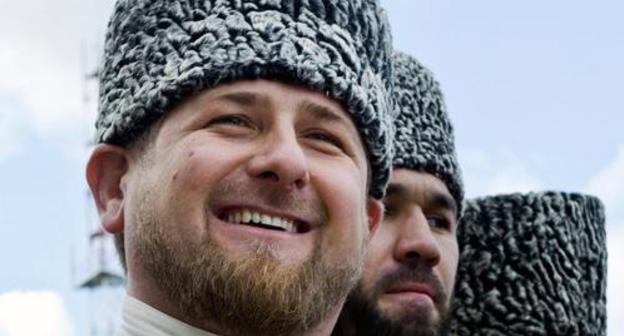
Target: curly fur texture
x=157 y=53
x=424 y=137
x=532 y=264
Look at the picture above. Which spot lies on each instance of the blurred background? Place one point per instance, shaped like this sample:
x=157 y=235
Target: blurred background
x=534 y=88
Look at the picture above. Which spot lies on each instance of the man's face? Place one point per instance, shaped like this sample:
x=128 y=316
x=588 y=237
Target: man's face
x=250 y=207
x=409 y=275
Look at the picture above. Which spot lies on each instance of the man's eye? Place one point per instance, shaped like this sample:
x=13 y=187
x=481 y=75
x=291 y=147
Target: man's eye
x=234 y=120
x=438 y=223
x=327 y=138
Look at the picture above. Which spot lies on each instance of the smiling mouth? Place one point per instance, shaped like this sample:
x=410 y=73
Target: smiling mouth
x=263 y=220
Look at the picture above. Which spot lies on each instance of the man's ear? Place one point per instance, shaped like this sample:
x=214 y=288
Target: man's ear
x=106 y=171
x=375 y=209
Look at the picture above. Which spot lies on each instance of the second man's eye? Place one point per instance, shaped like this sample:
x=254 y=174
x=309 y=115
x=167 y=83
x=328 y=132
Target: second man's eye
x=438 y=223
x=327 y=138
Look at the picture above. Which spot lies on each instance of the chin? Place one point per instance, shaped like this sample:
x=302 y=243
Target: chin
x=415 y=321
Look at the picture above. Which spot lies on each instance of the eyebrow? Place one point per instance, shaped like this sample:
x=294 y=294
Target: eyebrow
x=247 y=98
x=437 y=198
x=396 y=189
x=445 y=201
x=321 y=112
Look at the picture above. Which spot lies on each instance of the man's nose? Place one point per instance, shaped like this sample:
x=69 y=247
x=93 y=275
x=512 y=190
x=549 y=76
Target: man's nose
x=281 y=160
x=416 y=242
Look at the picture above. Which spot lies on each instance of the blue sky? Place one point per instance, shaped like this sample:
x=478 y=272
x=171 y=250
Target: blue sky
x=534 y=90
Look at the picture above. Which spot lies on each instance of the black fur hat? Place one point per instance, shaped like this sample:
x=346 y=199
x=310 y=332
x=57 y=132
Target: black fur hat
x=532 y=264
x=159 y=52
x=424 y=137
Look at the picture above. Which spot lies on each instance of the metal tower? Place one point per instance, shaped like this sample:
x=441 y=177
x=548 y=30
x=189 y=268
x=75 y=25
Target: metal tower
x=100 y=277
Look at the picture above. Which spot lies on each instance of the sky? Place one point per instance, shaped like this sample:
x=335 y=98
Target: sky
x=533 y=89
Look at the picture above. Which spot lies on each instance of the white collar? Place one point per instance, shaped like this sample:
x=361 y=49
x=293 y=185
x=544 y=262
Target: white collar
x=139 y=319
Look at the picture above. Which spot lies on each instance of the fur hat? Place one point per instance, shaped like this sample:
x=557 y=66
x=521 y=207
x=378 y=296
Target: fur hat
x=532 y=264
x=424 y=137
x=159 y=52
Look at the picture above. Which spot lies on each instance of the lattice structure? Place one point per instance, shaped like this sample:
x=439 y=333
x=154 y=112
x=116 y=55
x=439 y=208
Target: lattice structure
x=97 y=272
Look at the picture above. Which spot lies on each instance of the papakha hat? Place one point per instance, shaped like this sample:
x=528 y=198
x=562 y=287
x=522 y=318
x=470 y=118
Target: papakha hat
x=159 y=52
x=424 y=137
x=531 y=264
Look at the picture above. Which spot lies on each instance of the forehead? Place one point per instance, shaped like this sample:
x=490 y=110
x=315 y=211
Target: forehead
x=417 y=181
x=420 y=187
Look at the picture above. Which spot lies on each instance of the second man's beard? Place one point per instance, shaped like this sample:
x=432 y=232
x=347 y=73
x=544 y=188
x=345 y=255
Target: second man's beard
x=360 y=316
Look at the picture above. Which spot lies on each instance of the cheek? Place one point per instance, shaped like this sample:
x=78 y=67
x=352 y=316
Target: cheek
x=448 y=265
x=342 y=194
x=203 y=157
x=189 y=172
x=381 y=244
x=341 y=186
x=373 y=268
x=200 y=162
x=380 y=256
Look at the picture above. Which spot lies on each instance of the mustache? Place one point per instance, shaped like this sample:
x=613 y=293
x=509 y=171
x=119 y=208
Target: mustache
x=419 y=274
x=305 y=204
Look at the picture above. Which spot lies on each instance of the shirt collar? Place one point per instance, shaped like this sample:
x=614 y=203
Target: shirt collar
x=139 y=318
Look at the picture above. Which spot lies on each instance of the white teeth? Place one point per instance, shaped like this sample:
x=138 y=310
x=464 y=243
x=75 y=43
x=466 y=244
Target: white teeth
x=253 y=217
x=246 y=216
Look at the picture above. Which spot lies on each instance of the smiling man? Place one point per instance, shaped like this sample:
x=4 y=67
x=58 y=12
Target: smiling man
x=242 y=151
x=408 y=280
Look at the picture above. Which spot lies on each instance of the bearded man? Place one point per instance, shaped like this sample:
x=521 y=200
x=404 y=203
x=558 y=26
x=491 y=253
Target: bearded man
x=407 y=285
x=243 y=147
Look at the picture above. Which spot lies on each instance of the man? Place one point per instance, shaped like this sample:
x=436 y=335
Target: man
x=532 y=264
x=407 y=284
x=243 y=149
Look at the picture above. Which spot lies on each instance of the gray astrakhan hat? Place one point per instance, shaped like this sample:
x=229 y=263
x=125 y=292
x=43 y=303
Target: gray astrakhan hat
x=424 y=137
x=159 y=52
x=531 y=264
